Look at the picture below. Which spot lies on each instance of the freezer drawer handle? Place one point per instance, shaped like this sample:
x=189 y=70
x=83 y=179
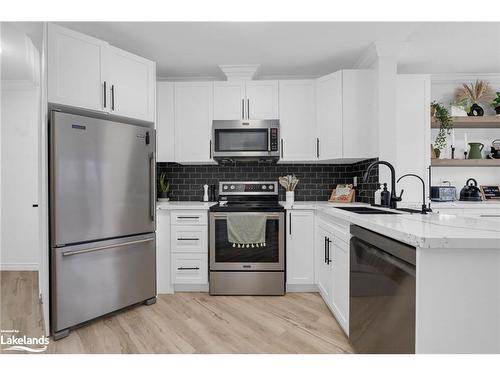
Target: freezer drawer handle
x=188 y=268
x=188 y=239
x=76 y=252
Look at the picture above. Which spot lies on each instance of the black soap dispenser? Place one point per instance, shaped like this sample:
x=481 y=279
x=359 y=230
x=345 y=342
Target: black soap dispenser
x=385 y=197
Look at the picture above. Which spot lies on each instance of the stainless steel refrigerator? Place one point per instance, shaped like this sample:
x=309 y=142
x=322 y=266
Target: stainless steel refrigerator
x=102 y=218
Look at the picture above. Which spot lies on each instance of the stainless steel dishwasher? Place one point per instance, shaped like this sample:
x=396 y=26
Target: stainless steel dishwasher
x=382 y=293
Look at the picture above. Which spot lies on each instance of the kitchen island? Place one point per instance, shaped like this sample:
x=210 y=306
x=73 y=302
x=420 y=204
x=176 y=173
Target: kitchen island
x=457 y=274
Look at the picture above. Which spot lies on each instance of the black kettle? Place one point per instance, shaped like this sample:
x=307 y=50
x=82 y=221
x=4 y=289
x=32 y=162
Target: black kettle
x=470 y=192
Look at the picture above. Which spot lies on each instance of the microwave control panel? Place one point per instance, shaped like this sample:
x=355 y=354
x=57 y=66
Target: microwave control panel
x=274 y=139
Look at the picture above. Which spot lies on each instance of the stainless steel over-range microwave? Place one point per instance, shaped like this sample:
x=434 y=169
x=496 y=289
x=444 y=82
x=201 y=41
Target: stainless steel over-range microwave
x=245 y=140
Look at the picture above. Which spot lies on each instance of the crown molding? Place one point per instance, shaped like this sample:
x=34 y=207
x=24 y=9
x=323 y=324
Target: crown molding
x=240 y=72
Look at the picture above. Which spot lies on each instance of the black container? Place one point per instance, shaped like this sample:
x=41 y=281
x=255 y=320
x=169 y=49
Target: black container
x=476 y=110
x=470 y=192
x=385 y=197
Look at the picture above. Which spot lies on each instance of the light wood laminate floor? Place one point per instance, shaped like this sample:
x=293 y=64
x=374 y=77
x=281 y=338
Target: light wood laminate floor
x=186 y=323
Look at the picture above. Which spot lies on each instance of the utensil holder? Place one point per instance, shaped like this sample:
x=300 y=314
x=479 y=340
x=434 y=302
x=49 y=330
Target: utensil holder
x=290 y=198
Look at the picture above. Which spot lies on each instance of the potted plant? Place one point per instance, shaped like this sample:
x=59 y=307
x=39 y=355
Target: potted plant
x=445 y=125
x=289 y=182
x=459 y=108
x=496 y=103
x=163 y=188
x=475 y=93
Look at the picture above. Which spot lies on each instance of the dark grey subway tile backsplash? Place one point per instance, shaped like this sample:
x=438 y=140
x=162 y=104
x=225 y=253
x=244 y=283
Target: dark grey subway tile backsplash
x=316 y=181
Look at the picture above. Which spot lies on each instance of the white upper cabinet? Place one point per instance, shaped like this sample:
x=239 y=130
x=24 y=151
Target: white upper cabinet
x=262 y=100
x=75 y=76
x=297 y=106
x=131 y=83
x=329 y=116
x=359 y=126
x=346 y=127
x=193 y=113
x=229 y=100
x=300 y=247
x=246 y=100
x=88 y=73
x=165 y=133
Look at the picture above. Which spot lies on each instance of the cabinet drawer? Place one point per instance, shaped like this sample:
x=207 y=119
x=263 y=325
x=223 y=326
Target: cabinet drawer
x=189 y=268
x=189 y=239
x=338 y=227
x=189 y=217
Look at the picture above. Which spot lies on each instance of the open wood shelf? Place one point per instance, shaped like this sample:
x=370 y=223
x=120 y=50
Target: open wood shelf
x=471 y=122
x=465 y=162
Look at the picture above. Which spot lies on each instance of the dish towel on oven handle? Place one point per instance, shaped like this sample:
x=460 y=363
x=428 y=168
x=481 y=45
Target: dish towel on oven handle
x=246 y=230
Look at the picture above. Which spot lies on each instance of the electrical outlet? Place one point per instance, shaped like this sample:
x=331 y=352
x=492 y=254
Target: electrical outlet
x=355 y=181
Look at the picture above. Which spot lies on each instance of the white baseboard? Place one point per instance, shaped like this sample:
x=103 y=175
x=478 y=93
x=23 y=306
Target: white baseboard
x=190 y=288
x=18 y=266
x=301 y=288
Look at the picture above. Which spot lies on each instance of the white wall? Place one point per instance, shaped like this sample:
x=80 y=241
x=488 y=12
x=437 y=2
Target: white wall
x=442 y=90
x=20 y=114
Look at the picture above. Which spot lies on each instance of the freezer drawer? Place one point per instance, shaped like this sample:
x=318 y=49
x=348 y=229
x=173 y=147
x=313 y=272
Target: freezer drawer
x=101 y=177
x=94 y=279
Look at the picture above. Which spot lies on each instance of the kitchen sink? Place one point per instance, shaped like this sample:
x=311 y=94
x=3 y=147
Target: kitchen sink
x=367 y=211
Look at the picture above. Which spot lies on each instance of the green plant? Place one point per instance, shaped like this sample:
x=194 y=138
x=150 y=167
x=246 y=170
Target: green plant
x=163 y=183
x=445 y=125
x=496 y=101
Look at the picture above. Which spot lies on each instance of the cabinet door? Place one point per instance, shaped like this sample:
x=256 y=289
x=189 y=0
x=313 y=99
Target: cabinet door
x=193 y=121
x=297 y=120
x=329 y=116
x=300 y=247
x=261 y=100
x=163 y=279
x=324 y=276
x=340 y=297
x=165 y=143
x=359 y=124
x=131 y=81
x=74 y=76
x=229 y=100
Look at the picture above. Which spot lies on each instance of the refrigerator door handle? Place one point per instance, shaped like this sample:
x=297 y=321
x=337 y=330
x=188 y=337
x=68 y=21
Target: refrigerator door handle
x=100 y=248
x=152 y=185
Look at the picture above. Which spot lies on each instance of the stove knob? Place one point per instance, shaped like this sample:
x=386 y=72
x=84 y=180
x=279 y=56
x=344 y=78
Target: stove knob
x=232 y=187
x=225 y=187
x=271 y=187
x=264 y=187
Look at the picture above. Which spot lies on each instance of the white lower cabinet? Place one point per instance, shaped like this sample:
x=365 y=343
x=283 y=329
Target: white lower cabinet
x=332 y=267
x=300 y=250
x=189 y=249
x=190 y=268
x=163 y=279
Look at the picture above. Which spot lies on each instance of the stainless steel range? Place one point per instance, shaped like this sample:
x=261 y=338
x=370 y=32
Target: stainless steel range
x=247 y=240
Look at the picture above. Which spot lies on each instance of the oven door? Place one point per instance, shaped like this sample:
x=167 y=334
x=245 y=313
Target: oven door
x=245 y=139
x=225 y=257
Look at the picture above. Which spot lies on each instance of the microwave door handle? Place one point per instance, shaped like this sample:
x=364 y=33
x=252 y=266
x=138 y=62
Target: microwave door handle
x=268 y=139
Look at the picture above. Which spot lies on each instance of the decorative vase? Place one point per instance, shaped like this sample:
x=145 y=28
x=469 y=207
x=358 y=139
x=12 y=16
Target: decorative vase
x=437 y=152
x=290 y=198
x=476 y=110
x=162 y=197
x=457 y=111
x=497 y=110
x=475 y=150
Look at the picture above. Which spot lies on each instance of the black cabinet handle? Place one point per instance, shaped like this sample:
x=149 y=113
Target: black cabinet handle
x=317 y=148
x=248 y=109
x=188 y=239
x=325 y=259
x=188 y=268
x=282 y=147
x=290 y=223
x=112 y=97
x=188 y=217
x=328 y=259
x=105 y=94
x=242 y=109
x=210 y=150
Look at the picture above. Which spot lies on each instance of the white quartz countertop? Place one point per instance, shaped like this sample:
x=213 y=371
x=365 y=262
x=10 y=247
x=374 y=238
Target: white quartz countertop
x=424 y=231
x=184 y=205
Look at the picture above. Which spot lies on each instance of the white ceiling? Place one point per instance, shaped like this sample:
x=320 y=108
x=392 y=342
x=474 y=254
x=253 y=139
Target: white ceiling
x=306 y=49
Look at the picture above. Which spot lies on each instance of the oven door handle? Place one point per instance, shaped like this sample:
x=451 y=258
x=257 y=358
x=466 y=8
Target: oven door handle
x=269 y=216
